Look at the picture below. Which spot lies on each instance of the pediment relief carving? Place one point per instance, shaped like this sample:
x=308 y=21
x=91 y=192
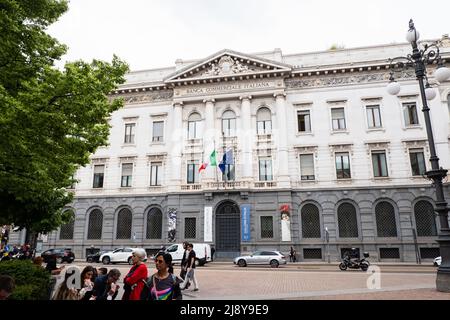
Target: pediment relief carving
x=227 y=66
x=227 y=63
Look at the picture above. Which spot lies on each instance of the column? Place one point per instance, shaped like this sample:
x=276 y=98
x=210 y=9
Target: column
x=209 y=137
x=283 y=159
x=177 y=139
x=246 y=139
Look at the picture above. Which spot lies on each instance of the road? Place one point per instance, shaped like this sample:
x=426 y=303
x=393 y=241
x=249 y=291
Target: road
x=223 y=280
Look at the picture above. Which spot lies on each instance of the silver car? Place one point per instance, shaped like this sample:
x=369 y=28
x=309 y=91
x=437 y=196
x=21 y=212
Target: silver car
x=272 y=258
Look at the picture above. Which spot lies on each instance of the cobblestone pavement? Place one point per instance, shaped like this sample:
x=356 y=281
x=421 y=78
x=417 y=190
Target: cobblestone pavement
x=226 y=282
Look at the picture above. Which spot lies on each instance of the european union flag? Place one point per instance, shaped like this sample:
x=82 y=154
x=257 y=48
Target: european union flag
x=226 y=159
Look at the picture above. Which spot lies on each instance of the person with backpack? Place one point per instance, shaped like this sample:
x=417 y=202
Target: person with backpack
x=162 y=285
x=134 y=280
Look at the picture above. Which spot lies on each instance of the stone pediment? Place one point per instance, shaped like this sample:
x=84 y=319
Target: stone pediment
x=227 y=64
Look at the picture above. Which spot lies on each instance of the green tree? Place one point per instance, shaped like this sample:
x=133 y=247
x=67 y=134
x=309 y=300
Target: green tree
x=50 y=120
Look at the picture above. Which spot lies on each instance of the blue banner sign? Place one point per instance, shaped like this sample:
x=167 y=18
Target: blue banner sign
x=245 y=212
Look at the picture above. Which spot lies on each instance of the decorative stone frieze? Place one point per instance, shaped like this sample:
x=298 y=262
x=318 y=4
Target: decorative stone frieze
x=162 y=95
x=333 y=81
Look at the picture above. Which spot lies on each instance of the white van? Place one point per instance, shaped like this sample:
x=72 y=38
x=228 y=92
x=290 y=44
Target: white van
x=202 y=253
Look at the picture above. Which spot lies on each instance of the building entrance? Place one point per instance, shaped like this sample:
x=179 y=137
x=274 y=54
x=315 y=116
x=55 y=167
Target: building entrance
x=228 y=230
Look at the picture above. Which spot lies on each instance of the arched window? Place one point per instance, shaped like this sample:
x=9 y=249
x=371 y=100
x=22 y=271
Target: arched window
x=310 y=221
x=425 y=219
x=194 y=126
x=229 y=124
x=124 y=221
x=264 y=121
x=348 y=225
x=385 y=216
x=66 y=231
x=95 y=224
x=154 y=224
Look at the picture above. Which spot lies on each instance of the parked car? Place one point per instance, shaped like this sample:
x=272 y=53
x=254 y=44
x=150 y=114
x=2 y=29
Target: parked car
x=272 y=258
x=119 y=255
x=62 y=255
x=202 y=253
x=437 y=261
x=95 y=257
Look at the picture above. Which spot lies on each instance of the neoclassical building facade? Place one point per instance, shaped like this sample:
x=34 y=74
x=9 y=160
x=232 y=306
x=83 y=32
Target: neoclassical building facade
x=319 y=157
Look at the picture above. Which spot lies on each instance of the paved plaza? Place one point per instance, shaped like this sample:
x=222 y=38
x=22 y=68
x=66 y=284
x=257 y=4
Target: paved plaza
x=224 y=281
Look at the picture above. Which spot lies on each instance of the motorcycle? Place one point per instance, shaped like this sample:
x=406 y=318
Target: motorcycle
x=355 y=263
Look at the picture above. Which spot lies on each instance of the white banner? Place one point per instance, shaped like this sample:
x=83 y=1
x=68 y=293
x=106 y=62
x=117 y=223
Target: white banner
x=208 y=224
x=285 y=227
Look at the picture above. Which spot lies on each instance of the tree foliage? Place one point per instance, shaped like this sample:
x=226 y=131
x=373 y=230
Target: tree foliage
x=50 y=120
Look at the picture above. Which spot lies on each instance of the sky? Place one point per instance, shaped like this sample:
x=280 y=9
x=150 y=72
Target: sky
x=151 y=34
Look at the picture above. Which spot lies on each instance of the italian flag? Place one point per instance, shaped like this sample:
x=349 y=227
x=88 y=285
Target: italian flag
x=212 y=162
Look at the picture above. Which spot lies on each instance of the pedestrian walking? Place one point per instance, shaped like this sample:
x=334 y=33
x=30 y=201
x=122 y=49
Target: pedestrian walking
x=106 y=287
x=184 y=260
x=162 y=285
x=134 y=281
x=292 y=255
x=190 y=269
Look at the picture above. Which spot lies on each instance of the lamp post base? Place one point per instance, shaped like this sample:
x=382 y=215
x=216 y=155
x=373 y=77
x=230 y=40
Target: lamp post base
x=443 y=281
x=443 y=273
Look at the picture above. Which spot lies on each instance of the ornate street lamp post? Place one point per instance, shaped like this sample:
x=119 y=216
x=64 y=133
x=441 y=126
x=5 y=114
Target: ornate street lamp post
x=419 y=58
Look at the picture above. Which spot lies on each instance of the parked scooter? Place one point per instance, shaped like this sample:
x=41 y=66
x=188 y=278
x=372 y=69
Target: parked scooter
x=352 y=262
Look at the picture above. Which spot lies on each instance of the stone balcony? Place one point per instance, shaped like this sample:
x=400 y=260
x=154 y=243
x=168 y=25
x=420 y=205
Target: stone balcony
x=265 y=184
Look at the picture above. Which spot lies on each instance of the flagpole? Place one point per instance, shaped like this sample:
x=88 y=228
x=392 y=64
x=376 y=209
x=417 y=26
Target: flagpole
x=217 y=178
x=224 y=151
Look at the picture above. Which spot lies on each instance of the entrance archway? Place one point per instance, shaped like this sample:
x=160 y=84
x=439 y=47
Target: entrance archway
x=228 y=230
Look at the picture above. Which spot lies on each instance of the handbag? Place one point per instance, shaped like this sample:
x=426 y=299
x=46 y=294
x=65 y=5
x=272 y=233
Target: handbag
x=190 y=274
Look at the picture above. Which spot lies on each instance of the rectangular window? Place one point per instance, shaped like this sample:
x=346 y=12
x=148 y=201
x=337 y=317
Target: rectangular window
x=417 y=162
x=264 y=127
x=129 y=132
x=307 y=167
x=194 y=129
x=265 y=169
x=158 y=131
x=155 y=174
x=410 y=113
x=266 y=227
x=343 y=165
x=373 y=116
x=127 y=173
x=192 y=173
x=229 y=127
x=304 y=121
x=379 y=164
x=99 y=172
x=338 y=118
x=190 y=226
x=228 y=175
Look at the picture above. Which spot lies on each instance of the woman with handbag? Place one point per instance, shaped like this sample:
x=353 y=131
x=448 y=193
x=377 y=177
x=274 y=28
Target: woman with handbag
x=162 y=285
x=134 y=280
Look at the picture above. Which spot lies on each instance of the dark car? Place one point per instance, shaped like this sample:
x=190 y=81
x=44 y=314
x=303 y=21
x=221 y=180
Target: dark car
x=95 y=257
x=62 y=255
